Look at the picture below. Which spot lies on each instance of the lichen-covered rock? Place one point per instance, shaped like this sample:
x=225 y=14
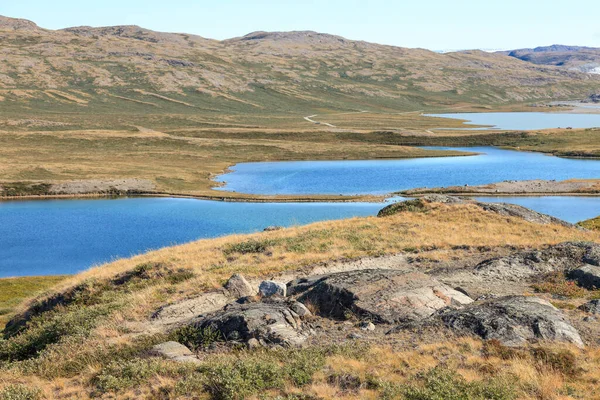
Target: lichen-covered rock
x=513 y=320
x=272 y=288
x=563 y=257
x=382 y=296
x=587 y=276
x=271 y=322
x=592 y=307
x=238 y=287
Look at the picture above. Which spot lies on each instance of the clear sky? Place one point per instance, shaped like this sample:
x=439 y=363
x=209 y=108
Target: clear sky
x=432 y=24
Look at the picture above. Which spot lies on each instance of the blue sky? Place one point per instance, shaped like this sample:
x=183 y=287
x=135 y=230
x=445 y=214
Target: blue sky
x=433 y=24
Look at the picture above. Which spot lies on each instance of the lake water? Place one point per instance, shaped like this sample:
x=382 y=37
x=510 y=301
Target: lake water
x=525 y=120
x=51 y=237
x=385 y=176
x=66 y=236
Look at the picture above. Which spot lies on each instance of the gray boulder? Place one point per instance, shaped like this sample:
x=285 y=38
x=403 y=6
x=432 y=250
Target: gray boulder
x=271 y=322
x=563 y=257
x=173 y=351
x=381 y=296
x=587 y=276
x=592 y=307
x=513 y=320
x=272 y=288
x=238 y=287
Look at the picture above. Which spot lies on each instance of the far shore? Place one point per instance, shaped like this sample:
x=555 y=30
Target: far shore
x=531 y=188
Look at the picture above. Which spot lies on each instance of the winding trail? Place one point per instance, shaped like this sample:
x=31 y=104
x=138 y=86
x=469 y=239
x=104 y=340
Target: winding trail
x=309 y=119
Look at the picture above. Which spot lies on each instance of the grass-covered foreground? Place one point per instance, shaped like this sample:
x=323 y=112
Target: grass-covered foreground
x=14 y=290
x=88 y=336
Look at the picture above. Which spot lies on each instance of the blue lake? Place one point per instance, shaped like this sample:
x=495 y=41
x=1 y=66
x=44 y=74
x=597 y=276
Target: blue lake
x=66 y=236
x=385 y=176
x=524 y=120
x=51 y=237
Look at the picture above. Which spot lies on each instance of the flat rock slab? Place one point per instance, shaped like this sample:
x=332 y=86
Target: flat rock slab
x=173 y=351
x=382 y=296
x=513 y=320
x=563 y=257
x=271 y=322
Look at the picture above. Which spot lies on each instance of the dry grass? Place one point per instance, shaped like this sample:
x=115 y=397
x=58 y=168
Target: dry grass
x=69 y=365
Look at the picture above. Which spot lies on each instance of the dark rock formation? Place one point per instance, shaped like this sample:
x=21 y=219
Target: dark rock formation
x=592 y=307
x=587 y=276
x=271 y=322
x=513 y=320
x=382 y=296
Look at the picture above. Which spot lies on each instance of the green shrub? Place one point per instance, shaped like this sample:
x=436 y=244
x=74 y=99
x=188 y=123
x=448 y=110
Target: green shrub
x=195 y=338
x=443 y=384
x=20 y=392
x=301 y=365
x=121 y=375
x=51 y=328
x=241 y=379
x=248 y=247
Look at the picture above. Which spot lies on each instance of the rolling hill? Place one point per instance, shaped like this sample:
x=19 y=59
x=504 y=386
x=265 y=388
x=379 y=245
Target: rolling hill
x=132 y=70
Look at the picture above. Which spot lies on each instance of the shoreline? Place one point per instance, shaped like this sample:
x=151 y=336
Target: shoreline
x=249 y=199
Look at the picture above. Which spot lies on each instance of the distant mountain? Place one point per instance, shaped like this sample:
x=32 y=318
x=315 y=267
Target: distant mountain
x=574 y=58
x=132 y=69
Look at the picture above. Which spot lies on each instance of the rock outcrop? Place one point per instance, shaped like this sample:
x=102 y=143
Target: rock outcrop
x=272 y=288
x=382 y=296
x=510 y=210
x=563 y=257
x=270 y=321
x=592 y=307
x=587 y=276
x=513 y=320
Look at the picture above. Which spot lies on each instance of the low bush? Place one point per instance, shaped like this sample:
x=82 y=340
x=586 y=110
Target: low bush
x=248 y=247
x=443 y=384
x=195 y=338
x=20 y=392
x=557 y=284
x=562 y=361
x=240 y=379
x=50 y=328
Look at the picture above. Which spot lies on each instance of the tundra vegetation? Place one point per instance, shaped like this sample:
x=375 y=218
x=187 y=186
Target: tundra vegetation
x=89 y=335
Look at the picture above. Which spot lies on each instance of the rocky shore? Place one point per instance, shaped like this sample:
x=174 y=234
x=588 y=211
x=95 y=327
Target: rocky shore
x=573 y=187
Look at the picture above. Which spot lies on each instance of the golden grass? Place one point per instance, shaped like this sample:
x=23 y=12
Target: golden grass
x=213 y=261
